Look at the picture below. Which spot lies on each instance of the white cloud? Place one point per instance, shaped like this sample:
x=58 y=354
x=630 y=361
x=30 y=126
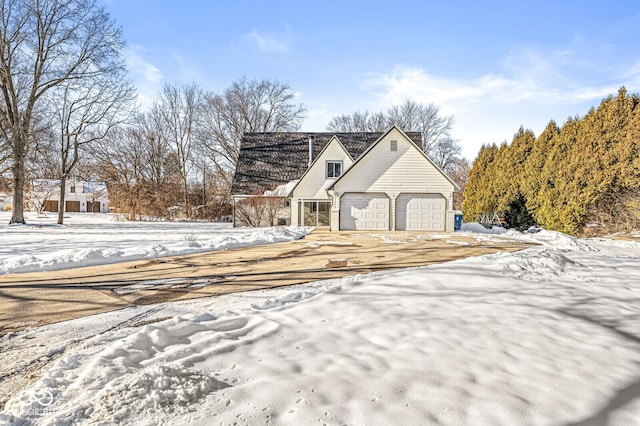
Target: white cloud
x=146 y=76
x=270 y=42
x=492 y=107
x=141 y=67
x=184 y=71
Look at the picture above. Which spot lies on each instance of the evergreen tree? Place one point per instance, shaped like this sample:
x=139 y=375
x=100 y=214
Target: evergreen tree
x=581 y=178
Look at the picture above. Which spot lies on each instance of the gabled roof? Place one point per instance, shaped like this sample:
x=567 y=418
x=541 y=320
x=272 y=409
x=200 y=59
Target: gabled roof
x=412 y=142
x=267 y=160
x=315 y=160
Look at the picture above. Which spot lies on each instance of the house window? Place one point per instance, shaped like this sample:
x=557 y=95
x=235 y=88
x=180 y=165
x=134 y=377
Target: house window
x=72 y=189
x=314 y=213
x=394 y=145
x=334 y=169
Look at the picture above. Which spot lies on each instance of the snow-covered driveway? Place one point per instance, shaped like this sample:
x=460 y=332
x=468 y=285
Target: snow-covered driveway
x=546 y=336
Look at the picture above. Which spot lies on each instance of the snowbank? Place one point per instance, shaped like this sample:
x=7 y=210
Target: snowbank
x=476 y=227
x=544 y=336
x=87 y=241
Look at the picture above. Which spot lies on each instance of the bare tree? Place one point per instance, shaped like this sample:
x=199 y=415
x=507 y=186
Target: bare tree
x=425 y=118
x=459 y=170
x=122 y=163
x=359 y=122
x=177 y=108
x=446 y=153
x=43 y=44
x=437 y=142
x=247 y=106
x=83 y=114
x=161 y=167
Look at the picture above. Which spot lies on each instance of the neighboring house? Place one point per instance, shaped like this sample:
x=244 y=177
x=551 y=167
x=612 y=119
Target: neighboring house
x=80 y=196
x=347 y=181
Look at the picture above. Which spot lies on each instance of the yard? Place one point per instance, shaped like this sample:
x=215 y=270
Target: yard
x=547 y=335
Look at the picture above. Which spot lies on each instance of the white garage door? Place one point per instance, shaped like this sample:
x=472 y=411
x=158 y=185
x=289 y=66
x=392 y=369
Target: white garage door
x=364 y=212
x=420 y=212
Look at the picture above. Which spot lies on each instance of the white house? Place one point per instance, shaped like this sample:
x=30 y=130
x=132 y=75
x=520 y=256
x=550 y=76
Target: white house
x=80 y=196
x=363 y=181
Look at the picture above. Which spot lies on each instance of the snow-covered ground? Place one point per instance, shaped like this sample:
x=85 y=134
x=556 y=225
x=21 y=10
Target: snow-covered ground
x=96 y=239
x=545 y=336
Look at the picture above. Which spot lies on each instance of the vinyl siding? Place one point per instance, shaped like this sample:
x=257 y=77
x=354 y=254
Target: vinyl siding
x=405 y=170
x=314 y=184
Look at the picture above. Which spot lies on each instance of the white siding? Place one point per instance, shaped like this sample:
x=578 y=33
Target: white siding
x=314 y=184
x=394 y=172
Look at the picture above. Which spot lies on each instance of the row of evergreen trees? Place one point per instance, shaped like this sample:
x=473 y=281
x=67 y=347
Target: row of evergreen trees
x=582 y=178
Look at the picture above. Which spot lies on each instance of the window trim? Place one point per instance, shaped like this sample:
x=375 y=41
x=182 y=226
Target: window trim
x=333 y=169
x=393 y=146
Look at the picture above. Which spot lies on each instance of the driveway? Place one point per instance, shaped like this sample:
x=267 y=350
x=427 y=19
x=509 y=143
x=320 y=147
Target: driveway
x=34 y=299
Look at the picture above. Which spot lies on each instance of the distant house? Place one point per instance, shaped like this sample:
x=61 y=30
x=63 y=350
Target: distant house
x=80 y=196
x=346 y=181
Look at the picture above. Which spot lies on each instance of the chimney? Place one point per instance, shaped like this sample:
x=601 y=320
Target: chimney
x=310 y=150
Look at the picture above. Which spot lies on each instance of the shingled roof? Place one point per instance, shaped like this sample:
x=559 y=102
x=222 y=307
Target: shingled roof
x=267 y=160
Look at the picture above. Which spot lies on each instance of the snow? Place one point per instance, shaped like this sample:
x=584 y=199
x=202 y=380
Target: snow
x=282 y=190
x=96 y=239
x=545 y=336
x=476 y=227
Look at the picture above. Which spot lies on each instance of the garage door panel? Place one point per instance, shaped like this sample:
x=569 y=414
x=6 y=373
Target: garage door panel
x=361 y=211
x=420 y=212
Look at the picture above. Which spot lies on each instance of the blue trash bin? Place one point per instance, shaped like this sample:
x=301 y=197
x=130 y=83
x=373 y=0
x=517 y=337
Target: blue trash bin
x=457 y=222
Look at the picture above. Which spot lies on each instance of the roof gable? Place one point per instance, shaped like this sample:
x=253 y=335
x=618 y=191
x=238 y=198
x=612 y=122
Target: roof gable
x=267 y=160
x=319 y=162
x=413 y=145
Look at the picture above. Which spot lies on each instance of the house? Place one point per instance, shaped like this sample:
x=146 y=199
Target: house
x=80 y=196
x=347 y=181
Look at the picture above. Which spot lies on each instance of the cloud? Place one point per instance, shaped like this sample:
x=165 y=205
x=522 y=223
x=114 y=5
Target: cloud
x=490 y=108
x=184 y=71
x=270 y=42
x=140 y=67
x=146 y=76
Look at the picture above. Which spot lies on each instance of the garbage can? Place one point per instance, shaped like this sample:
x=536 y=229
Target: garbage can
x=457 y=221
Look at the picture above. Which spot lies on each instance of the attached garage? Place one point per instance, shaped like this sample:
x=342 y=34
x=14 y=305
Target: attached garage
x=72 y=206
x=51 y=206
x=364 y=211
x=420 y=212
x=93 y=206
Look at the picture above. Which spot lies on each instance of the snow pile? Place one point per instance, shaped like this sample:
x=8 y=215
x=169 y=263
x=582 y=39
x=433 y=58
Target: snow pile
x=282 y=301
x=503 y=339
x=282 y=190
x=146 y=373
x=160 y=389
x=45 y=248
x=476 y=227
x=537 y=265
x=554 y=239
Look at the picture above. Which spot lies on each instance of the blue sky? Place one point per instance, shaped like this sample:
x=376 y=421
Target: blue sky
x=494 y=65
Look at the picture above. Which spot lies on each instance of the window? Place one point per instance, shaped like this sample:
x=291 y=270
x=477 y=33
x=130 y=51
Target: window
x=334 y=169
x=394 y=145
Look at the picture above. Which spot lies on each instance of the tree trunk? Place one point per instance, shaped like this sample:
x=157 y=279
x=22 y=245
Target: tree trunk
x=17 y=212
x=185 y=188
x=63 y=187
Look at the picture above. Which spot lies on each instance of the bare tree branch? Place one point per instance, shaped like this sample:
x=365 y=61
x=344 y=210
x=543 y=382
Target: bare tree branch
x=45 y=44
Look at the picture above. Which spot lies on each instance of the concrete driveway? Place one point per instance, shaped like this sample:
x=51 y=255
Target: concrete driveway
x=33 y=299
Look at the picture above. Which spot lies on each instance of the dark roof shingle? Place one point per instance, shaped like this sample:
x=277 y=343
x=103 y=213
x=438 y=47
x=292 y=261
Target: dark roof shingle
x=267 y=160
